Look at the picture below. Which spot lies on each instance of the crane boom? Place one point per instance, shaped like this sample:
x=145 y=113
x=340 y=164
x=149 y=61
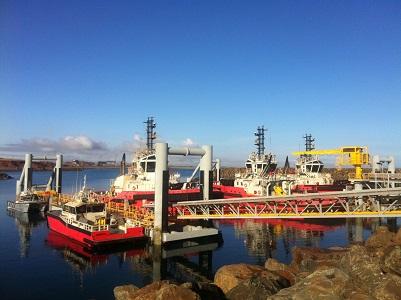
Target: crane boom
x=356 y=156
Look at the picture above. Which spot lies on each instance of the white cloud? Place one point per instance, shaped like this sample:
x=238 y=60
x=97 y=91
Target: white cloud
x=80 y=146
x=188 y=142
x=138 y=138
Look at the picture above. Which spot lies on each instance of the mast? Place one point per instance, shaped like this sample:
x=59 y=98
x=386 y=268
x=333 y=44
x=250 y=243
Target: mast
x=260 y=140
x=150 y=133
x=309 y=143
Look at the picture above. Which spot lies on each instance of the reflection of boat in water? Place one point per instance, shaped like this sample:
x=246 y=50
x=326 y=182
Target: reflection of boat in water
x=25 y=223
x=81 y=257
x=261 y=236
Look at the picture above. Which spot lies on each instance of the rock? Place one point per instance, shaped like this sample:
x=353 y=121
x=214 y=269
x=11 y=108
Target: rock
x=359 y=296
x=381 y=238
x=391 y=260
x=397 y=237
x=389 y=289
x=230 y=276
x=162 y=290
x=124 y=292
x=311 y=259
x=328 y=284
x=258 y=287
x=284 y=270
x=4 y=176
x=207 y=291
x=364 y=269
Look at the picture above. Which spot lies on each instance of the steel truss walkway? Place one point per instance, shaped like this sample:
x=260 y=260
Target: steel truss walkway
x=345 y=204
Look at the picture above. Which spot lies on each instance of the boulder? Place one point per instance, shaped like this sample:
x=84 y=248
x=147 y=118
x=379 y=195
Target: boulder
x=284 y=270
x=381 y=238
x=389 y=289
x=230 y=276
x=207 y=291
x=258 y=287
x=124 y=292
x=364 y=269
x=330 y=284
x=391 y=260
x=310 y=259
x=162 y=290
x=4 y=176
x=397 y=237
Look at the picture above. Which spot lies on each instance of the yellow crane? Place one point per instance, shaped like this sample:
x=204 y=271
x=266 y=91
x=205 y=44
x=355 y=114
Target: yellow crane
x=356 y=156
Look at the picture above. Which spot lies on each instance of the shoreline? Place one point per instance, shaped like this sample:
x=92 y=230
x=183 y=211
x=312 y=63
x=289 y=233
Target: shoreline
x=368 y=270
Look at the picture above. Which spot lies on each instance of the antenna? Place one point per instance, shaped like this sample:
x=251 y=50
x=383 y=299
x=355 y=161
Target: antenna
x=260 y=140
x=309 y=142
x=150 y=133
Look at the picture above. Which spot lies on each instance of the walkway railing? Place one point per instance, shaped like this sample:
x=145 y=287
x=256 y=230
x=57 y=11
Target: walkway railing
x=142 y=217
x=347 y=204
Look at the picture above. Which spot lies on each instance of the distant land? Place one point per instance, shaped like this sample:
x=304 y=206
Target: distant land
x=7 y=164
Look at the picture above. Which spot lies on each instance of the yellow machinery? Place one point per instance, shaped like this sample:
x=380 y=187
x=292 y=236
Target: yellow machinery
x=278 y=191
x=356 y=156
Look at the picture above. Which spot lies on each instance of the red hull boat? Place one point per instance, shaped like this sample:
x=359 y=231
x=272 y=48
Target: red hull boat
x=89 y=224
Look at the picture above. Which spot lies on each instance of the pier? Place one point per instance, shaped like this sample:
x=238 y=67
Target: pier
x=384 y=202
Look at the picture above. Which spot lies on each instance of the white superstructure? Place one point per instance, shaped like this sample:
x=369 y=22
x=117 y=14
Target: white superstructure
x=141 y=175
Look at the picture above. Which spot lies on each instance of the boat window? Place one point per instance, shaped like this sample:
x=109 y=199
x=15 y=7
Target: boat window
x=69 y=209
x=81 y=209
x=151 y=166
x=96 y=207
x=143 y=166
x=248 y=166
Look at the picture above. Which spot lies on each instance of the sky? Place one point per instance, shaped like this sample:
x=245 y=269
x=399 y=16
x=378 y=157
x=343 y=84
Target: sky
x=80 y=77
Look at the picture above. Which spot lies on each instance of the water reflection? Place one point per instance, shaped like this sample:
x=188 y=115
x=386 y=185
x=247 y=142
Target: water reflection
x=172 y=262
x=82 y=259
x=25 y=223
x=261 y=237
x=248 y=241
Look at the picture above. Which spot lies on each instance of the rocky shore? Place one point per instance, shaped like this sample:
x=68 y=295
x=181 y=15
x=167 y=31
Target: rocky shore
x=370 y=270
x=4 y=176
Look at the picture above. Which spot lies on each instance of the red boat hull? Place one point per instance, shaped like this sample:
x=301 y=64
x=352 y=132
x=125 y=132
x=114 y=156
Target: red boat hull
x=95 y=238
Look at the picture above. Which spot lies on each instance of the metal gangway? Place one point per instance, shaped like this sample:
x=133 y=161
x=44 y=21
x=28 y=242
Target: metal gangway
x=384 y=202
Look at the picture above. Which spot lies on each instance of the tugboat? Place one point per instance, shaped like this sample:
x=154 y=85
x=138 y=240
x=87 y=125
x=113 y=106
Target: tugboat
x=141 y=175
x=260 y=168
x=88 y=223
x=308 y=175
x=262 y=179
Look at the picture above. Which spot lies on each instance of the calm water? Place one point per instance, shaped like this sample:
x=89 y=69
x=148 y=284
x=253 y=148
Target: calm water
x=38 y=264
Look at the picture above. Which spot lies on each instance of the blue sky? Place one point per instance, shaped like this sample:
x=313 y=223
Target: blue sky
x=80 y=76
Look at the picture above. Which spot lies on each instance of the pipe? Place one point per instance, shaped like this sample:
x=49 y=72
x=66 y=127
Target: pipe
x=218 y=166
x=59 y=172
x=186 y=151
x=28 y=172
x=206 y=166
x=160 y=191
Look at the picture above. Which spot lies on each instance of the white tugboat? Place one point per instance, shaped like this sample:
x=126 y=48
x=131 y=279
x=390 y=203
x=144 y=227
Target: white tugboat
x=262 y=179
x=308 y=173
x=141 y=175
x=260 y=168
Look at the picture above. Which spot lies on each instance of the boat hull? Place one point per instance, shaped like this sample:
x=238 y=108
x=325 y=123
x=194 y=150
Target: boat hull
x=93 y=239
x=28 y=206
